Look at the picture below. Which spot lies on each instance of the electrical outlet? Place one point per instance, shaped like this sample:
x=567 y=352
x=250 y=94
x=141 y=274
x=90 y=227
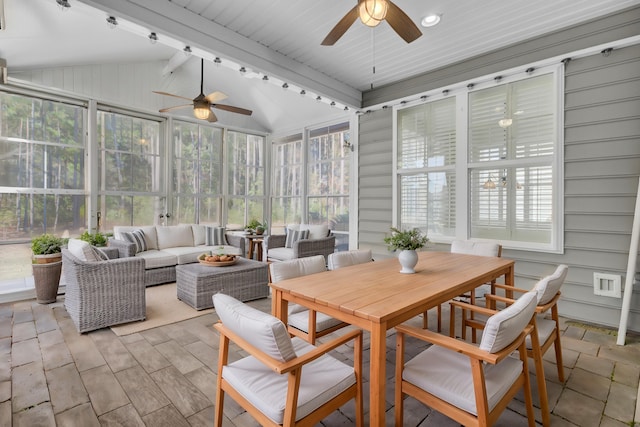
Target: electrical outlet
x=607 y=285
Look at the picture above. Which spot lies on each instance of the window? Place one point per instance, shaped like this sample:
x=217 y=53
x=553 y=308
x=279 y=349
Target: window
x=245 y=175
x=287 y=165
x=328 y=180
x=42 y=167
x=129 y=169
x=507 y=165
x=426 y=164
x=197 y=173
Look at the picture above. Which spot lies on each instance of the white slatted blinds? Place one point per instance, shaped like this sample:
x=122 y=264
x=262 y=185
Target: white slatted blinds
x=512 y=129
x=499 y=180
x=426 y=165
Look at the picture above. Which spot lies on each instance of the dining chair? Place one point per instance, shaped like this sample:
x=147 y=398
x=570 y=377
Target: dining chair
x=338 y=260
x=302 y=322
x=467 y=383
x=283 y=381
x=469 y=248
x=548 y=329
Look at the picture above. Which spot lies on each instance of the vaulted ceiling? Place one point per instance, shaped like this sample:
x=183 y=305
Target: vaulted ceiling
x=279 y=39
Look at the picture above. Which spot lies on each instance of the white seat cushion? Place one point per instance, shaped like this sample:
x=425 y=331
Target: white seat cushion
x=447 y=375
x=157 y=259
x=300 y=320
x=280 y=254
x=321 y=380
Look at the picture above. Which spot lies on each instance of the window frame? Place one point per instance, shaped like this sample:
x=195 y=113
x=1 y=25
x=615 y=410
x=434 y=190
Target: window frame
x=464 y=168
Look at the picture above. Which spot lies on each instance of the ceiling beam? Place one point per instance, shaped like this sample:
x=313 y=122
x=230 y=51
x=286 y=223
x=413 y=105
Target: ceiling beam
x=164 y=17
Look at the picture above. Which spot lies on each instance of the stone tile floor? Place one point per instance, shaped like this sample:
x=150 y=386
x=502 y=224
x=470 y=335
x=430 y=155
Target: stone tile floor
x=51 y=375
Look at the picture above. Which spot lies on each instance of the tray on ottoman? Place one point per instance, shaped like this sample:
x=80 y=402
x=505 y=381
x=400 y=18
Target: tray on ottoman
x=245 y=280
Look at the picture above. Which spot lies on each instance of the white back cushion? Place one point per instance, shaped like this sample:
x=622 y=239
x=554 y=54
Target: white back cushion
x=82 y=250
x=296 y=267
x=549 y=286
x=505 y=326
x=318 y=231
x=475 y=248
x=344 y=259
x=198 y=234
x=263 y=331
x=174 y=236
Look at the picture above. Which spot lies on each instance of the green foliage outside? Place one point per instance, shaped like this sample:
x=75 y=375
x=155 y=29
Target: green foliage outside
x=405 y=240
x=94 y=239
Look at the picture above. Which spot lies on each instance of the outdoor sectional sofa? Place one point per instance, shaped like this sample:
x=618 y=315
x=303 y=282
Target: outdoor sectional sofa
x=164 y=247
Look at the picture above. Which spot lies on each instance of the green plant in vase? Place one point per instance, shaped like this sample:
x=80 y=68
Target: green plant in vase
x=407 y=242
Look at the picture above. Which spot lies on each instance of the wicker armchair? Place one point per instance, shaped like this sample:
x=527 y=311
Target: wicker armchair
x=300 y=249
x=103 y=293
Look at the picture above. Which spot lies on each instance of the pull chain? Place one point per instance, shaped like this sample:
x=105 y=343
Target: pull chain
x=373 y=53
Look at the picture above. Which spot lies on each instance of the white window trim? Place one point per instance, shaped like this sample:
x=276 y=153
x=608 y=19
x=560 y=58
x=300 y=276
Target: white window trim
x=463 y=168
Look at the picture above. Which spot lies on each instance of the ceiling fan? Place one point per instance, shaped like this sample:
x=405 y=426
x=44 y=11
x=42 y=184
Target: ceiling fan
x=371 y=13
x=202 y=104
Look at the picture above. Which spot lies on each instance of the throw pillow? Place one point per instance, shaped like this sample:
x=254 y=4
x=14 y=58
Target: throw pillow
x=82 y=250
x=215 y=236
x=137 y=237
x=295 y=235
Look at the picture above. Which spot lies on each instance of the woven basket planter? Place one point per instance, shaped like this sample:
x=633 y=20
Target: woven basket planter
x=46 y=278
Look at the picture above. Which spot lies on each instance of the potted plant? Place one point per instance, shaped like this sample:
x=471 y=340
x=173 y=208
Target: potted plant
x=255 y=226
x=47 y=266
x=94 y=239
x=407 y=242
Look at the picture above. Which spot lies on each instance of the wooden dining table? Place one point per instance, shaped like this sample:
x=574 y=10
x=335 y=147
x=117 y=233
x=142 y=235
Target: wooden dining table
x=375 y=296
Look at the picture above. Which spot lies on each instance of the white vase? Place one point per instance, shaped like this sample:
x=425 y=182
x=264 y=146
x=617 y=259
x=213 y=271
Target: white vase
x=408 y=260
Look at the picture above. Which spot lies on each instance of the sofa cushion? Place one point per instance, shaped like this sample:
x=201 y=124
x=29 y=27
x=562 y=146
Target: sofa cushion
x=82 y=250
x=156 y=259
x=137 y=237
x=316 y=231
x=214 y=236
x=295 y=235
x=174 y=236
x=280 y=254
x=199 y=234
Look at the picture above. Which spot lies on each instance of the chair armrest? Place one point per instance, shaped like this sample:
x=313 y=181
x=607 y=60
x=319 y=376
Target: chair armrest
x=274 y=241
x=236 y=241
x=125 y=249
x=308 y=247
x=471 y=307
x=285 y=367
x=463 y=347
x=509 y=288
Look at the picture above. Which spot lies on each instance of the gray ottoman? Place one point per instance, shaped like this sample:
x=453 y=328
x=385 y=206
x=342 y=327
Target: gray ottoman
x=245 y=280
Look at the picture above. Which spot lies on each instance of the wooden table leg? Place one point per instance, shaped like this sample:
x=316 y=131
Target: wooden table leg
x=377 y=376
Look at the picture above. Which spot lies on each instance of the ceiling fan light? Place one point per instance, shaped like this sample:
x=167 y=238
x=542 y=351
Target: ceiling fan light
x=372 y=12
x=201 y=112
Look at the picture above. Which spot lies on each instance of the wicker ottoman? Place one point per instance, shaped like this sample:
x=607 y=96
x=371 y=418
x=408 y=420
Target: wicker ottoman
x=245 y=280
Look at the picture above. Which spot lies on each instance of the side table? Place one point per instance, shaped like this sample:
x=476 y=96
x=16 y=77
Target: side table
x=255 y=245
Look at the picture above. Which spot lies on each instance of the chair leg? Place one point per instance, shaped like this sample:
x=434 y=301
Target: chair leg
x=536 y=355
x=425 y=320
x=557 y=344
x=222 y=360
x=398 y=401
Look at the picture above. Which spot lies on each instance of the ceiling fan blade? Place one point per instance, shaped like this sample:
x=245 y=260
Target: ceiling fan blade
x=401 y=23
x=341 y=27
x=164 y=110
x=215 y=97
x=232 y=109
x=212 y=117
x=170 y=94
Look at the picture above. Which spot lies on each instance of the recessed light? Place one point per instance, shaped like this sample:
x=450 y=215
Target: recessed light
x=431 y=20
